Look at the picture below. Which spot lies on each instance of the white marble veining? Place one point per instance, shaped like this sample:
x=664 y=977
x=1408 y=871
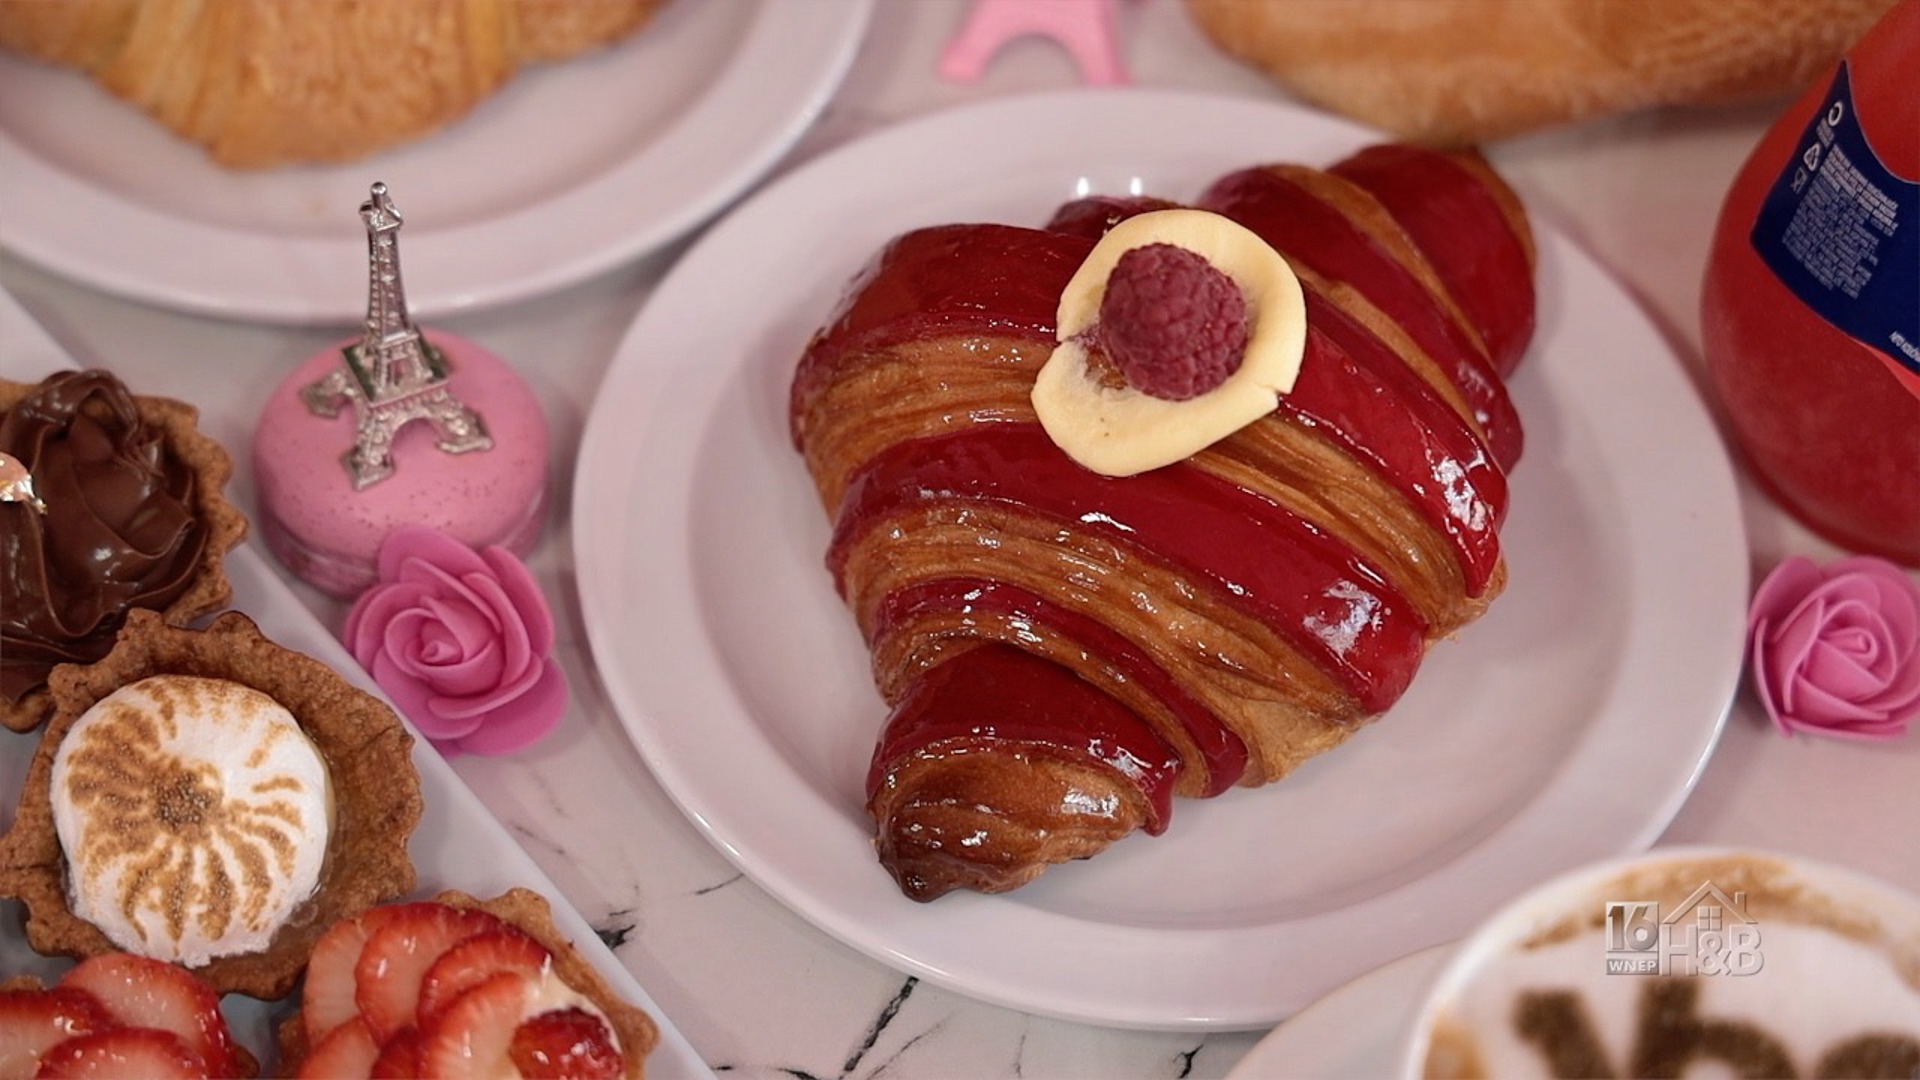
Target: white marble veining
x=758 y=990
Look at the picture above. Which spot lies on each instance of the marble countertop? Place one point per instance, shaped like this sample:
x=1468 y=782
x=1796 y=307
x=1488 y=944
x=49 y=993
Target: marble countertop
x=757 y=989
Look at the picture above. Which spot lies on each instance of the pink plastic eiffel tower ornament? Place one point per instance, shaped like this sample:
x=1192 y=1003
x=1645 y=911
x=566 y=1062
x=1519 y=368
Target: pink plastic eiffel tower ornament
x=1085 y=28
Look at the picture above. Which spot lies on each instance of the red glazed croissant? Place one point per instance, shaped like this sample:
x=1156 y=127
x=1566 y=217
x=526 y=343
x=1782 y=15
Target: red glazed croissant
x=1062 y=651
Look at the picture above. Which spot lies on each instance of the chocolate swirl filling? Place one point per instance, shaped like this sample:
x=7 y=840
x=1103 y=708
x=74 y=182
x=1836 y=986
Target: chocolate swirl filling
x=119 y=531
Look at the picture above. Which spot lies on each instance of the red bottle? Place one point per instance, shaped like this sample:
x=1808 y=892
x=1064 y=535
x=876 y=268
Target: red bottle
x=1810 y=312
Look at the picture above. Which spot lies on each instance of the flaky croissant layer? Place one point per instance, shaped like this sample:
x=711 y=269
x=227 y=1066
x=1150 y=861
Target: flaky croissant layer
x=1063 y=652
x=273 y=82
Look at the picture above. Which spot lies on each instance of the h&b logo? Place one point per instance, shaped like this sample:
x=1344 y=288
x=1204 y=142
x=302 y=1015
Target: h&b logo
x=1719 y=938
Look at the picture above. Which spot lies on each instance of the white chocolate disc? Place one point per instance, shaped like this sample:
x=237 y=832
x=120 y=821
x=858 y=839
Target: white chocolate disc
x=1120 y=431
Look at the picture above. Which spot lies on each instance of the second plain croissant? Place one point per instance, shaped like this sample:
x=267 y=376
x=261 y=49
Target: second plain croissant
x=1064 y=651
x=1455 y=72
x=261 y=83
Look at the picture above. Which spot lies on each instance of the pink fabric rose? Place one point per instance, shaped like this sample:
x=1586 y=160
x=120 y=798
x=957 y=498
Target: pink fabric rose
x=1836 y=651
x=460 y=640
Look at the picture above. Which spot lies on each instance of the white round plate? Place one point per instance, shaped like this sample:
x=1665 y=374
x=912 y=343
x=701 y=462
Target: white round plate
x=1356 y=1031
x=1567 y=725
x=570 y=169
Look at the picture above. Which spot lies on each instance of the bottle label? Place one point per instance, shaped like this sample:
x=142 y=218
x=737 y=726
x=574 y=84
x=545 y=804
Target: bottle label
x=1842 y=232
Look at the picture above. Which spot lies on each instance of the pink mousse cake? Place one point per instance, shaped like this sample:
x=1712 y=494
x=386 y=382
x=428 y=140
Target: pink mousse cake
x=328 y=533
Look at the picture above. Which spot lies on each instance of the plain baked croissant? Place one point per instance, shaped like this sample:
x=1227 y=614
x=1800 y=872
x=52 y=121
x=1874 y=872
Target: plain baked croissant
x=272 y=82
x=1062 y=652
x=1452 y=72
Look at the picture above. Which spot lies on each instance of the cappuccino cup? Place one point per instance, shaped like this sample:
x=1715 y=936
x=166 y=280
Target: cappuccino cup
x=1680 y=962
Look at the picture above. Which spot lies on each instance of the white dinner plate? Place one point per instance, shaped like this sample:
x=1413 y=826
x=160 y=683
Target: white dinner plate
x=1353 y=1033
x=458 y=845
x=1566 y=725
x=570 y=169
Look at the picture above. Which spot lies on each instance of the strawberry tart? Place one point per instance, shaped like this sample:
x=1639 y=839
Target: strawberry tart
x=118 y=1015
x=455 y=987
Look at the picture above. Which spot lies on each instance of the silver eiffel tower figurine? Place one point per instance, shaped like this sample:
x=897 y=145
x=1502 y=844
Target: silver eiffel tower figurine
x=393 y=376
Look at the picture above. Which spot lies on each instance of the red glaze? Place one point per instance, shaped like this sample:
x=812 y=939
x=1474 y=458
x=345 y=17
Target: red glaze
x=1321 y=596
x=1001 y=697
x=1321 y=238
x=962 y=278
x=1093 y=215
x=950 y=279
x=1364 y=397
x=1458 y=225
x=1011 y=607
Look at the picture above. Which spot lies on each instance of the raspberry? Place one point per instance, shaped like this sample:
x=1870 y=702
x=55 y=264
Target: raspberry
x=1173 y=325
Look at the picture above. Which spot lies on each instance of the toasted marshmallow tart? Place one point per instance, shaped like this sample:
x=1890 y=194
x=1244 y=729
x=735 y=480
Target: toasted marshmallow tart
x=195 y=816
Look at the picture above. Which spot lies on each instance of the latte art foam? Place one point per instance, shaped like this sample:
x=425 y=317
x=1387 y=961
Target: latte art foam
x=1683 y=962
x=194 y=814
x=1554 y=1010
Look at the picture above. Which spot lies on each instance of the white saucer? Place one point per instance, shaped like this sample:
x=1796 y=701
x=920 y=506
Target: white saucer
x=1353 y=1032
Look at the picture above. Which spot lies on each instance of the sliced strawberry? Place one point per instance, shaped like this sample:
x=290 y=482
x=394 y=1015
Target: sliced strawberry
x=471 y=962
x=346 y=1053
x=471 y=1036
x=566 y=1044
x=400 y=1058
x=148 y=1053
x=141 y=992
x=327 y=997
x=34 y=1021
x=397 y=955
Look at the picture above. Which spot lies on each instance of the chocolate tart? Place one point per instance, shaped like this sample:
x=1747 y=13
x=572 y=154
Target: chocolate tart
x=364 y=745
x=120 y=473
